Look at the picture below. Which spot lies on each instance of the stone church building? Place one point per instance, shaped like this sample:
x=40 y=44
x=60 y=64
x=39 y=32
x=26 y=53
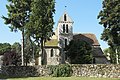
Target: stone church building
x=53 y=49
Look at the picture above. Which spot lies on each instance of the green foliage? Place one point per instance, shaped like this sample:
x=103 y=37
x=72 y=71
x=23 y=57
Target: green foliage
x=4 y=47
x=18 y=14
x=41 y=21
x=31 y=50
x=61 y=70
x=16 y=47
x=79 y=52
x=110 y=19
x=28 y=50
x=112 y=54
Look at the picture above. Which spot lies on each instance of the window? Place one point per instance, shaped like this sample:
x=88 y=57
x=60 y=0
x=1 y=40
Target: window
x=67 y=28
x=51 y=55
x=65 y=42
x=63 y=28
x=65 y=17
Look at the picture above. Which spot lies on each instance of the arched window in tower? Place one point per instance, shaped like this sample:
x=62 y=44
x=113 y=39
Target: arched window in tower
x=65 y=42
x=67 y=28
x=51 y=54
x=65 y=17
x=63 y=28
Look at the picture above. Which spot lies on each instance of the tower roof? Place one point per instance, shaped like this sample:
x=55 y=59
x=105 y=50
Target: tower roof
x=65 y=18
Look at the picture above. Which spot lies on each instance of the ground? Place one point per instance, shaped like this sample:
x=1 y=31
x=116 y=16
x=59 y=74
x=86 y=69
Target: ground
x=62 y=78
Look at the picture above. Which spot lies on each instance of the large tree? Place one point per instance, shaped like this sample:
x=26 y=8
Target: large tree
x=79 y=52
x=41 y=21
x=18 y=16
x=110 y=19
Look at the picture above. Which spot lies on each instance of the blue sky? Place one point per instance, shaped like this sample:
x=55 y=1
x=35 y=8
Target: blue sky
x=83 y=12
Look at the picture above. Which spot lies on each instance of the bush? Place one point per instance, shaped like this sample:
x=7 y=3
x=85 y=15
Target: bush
x=61 y=70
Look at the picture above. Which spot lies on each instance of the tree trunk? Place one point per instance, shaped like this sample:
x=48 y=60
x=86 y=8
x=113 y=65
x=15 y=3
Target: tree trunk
x=22 y=56
x=42 y=61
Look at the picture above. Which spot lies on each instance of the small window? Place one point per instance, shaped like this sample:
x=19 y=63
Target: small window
x=65 y=42
x=65 y=17
x=63 y=28
x=51 y=55
x=67 y=28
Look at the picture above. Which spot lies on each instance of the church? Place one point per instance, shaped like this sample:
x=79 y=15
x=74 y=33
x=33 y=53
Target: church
x=53 y=49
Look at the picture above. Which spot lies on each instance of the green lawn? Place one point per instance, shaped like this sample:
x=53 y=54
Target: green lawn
x=63 y=78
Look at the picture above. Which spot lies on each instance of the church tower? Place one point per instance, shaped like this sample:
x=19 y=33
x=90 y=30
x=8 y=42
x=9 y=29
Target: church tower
x=65 y=30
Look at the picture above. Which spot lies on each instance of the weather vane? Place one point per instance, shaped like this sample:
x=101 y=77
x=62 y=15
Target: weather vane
x=65 y=7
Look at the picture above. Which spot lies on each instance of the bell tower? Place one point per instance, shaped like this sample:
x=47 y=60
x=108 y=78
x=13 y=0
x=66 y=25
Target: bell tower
x=65 y=30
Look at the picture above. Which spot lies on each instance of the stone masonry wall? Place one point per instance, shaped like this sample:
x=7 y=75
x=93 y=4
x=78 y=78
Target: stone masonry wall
x=99 y=70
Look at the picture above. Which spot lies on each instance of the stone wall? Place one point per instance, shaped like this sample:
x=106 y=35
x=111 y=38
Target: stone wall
x=25 y=71
x=101 y=70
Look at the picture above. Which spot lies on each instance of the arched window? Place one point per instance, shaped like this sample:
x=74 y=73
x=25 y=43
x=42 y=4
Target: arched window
x=65 y=17
x=67 y=28
x=51 y=54
x=65 y=42
x=63 y=28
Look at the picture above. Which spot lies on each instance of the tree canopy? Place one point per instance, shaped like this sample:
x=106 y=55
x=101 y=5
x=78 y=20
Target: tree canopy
x=41 y=21
x=79 y=52
x=110 y=19
x=18 y=16
x=4 y=47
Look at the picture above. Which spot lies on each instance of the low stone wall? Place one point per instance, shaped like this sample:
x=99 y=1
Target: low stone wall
x=99 y=70
x=90 y=70
x=25 y=71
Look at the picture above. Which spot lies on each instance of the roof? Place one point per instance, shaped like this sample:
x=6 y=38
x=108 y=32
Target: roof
x=97 y=52
x=52 y=42
x=88 y=37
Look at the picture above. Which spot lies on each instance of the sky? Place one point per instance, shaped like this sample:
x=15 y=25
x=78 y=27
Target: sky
x=83 y=13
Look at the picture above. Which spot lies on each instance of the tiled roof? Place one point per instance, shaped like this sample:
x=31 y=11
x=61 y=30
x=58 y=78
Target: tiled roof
x=88 y=37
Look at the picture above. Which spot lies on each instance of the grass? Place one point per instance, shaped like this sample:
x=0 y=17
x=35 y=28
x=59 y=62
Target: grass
x=63 y=78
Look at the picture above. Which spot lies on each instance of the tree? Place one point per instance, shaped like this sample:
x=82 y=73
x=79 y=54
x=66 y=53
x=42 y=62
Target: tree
x=4 y=47
x=16 y=48
x=109 y=52
x=41 y=21
x=110 y=19
x=18 y=15
x=28 y=50
x=11 y=53
x=79 y=52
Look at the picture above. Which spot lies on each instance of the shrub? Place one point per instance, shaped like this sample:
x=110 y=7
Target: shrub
x=61 y=70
